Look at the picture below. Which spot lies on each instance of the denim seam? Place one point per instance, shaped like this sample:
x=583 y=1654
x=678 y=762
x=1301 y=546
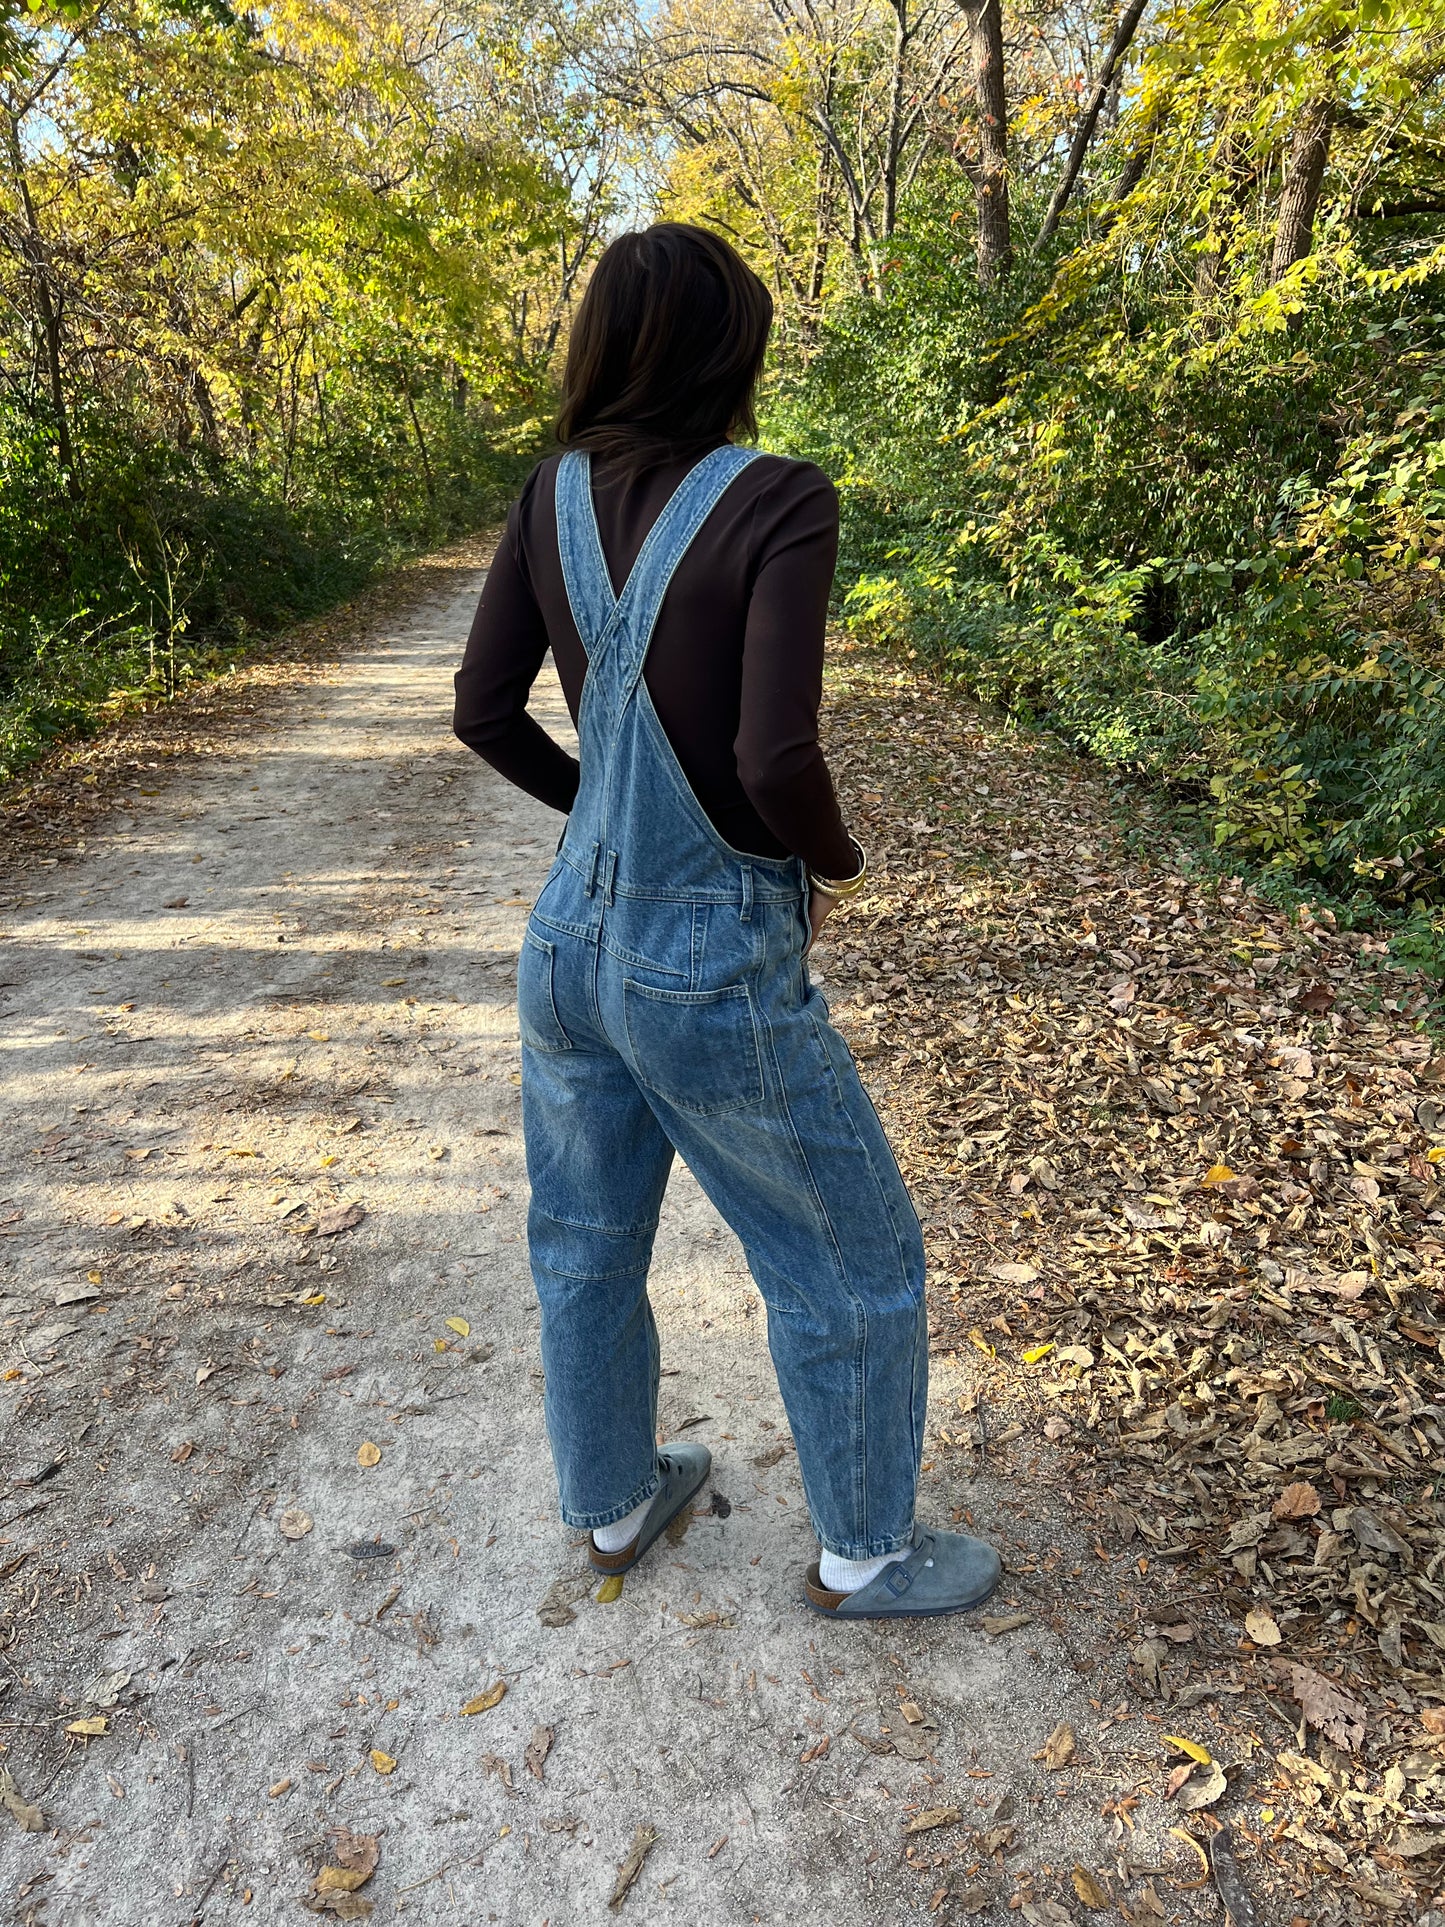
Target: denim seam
x=860 y=1320
x=635 y=957
x=902 y=1251
x=917 y=1440
x=611 y=1230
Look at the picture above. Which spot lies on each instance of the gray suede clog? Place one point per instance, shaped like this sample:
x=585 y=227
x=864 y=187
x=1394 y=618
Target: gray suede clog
x=946 y=1572
x=683 y=1469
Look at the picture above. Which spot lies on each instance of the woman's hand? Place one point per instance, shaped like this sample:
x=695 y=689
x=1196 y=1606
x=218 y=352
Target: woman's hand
x=820 y=908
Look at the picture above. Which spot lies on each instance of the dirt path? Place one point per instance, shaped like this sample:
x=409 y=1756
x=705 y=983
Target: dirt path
x=263 y=1199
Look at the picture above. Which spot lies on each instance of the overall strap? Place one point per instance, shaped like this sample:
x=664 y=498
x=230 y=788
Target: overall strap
x=584 y=567
x=621 y=627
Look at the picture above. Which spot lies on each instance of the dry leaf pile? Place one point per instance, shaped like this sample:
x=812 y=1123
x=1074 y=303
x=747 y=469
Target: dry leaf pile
x=1179 y=1156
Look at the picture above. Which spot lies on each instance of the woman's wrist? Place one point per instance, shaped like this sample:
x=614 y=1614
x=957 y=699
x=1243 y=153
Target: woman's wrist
x=843 y=886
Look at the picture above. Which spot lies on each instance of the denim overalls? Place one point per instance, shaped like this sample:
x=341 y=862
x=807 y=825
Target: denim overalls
x=665 y=1006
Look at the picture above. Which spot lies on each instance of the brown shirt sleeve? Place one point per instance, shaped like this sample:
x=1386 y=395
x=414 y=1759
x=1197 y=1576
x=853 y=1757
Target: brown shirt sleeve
x=505 y=650
x=780 y=763
x=735 y=667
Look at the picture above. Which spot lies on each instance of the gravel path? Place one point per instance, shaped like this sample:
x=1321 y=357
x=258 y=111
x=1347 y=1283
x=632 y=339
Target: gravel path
x=275 y=1503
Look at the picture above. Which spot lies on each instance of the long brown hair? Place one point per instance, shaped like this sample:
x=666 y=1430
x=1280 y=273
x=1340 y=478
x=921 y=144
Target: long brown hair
x=666 y=349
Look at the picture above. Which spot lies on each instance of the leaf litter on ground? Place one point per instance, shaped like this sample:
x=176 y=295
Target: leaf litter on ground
x=1179 y=1155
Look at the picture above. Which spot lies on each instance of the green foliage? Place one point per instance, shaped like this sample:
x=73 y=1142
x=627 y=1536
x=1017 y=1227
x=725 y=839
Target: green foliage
x=173 y=562
x=279 y=293
x=1200 y=545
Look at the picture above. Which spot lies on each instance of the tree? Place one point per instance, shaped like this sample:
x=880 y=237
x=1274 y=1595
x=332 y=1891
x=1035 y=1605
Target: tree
x=989 y=172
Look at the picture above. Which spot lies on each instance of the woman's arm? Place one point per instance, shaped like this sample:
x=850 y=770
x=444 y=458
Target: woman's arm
x=780 y=763
x=505 y=650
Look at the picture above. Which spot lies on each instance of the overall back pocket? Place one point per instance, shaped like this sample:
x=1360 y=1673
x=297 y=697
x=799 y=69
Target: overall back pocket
x=537 y=1017
x=696 y=1048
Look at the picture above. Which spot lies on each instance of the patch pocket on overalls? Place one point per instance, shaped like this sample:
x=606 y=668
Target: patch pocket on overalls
x=696 y=1048
x=537 y=1017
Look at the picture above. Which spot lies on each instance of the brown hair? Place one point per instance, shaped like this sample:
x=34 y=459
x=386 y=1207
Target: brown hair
x=666 y=348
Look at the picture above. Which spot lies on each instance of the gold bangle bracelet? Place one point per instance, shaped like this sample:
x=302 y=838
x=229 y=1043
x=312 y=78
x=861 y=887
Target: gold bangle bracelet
x=846 y=886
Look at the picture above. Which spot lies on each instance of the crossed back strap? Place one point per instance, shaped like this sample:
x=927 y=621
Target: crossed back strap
x=616 y=630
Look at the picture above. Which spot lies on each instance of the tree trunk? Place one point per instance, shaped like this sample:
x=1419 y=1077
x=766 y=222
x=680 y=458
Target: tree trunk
x=1241 y=173
x=420 y=441
x=1304 y=176
x=33 y=247
x=995 y=248
x=1084 y=132
x=892 y=142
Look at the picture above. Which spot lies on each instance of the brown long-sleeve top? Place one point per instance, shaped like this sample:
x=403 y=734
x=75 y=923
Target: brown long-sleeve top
x=735 y=666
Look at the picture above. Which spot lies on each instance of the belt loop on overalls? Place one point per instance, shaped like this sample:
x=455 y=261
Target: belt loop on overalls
x=611 y=873
x=747 y=910
x=590 y=887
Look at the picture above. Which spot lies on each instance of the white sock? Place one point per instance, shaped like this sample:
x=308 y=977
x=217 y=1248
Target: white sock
x=621 y=1532
x=848 y=1575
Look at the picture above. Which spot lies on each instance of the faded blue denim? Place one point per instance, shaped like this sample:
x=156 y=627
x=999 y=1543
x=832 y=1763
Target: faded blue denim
x=666 y=1007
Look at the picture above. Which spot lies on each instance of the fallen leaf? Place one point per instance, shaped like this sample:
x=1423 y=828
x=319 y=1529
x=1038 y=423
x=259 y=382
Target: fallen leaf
x=1326 y=1706
x=1204 y=1786
x=1192 y=1748
x=319 y=1036
x=912 y=1712
x=1059 y=1748
x=357 y=1851
x=294 y=1523
x=557 y=1605
x=643 y=1841
x=78 y=1294
x=338 y=1906
x=1014 y=1273
x=932 y=1817
x=106 y=1688
x=1217 y=1174
x=368 y=1453
x=89 y=1727
x=1177 y=1778
x=1146 y=1911
x=1036 y=1352
x=459 y=1326
x=610 y=1589
x=334 y=1218
x=1005 y=1623
x=344 y=1880
x=1262 y=1627
x=1056 y=1428
x=484 y=1702
x=277 y=1788
x=1094 y=1896
x=1238 y=1902
x=383 y=1762
x=538 y=1747
x=1189 y=1840
x=1298 y=1501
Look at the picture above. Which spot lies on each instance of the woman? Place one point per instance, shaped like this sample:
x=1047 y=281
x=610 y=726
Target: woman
x=681 y=582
